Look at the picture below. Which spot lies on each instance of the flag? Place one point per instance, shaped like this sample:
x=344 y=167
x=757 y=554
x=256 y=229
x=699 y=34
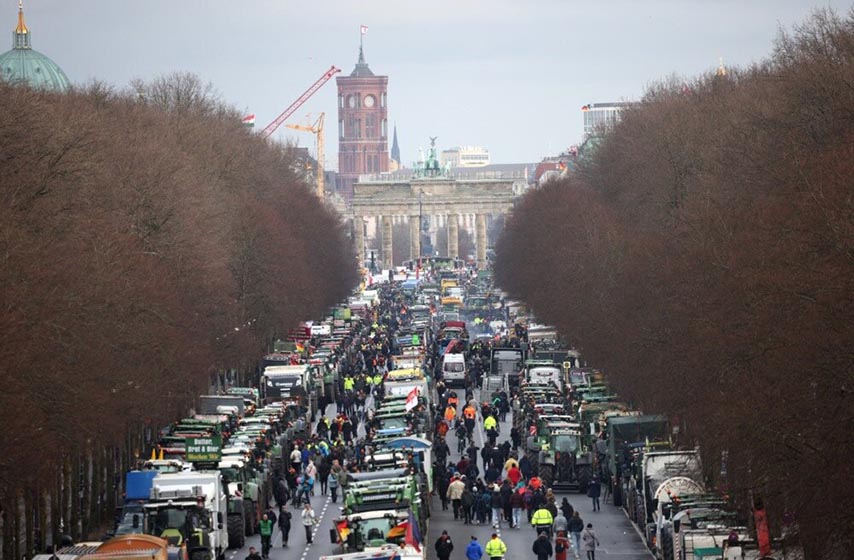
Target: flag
x=300 y=347
x=413 y=534
x=248 y=120
x=343 y=530
x=363 y=29
x=398 y=530
x=411 y=399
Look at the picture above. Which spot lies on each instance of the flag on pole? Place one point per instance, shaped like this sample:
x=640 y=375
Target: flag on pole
x=363 y=29
x=411 y=399
x=249 y=120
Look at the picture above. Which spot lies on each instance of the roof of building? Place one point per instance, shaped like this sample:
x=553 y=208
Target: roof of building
x=23 y=65
x=362 y=70
x=395 y=148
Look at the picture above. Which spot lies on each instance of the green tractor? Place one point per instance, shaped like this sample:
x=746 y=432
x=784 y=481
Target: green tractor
x=562 y=460
x=244 y=495
x=375 y=504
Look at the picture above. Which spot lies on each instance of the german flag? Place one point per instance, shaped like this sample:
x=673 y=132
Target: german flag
x=343 y=530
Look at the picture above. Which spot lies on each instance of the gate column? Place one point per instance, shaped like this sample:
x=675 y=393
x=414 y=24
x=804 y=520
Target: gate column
x=480 y=240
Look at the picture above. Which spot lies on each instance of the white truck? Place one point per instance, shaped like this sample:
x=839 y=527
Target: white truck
x=189 y=508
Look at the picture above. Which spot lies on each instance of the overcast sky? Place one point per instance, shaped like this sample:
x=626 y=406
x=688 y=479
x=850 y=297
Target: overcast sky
x=510 y=75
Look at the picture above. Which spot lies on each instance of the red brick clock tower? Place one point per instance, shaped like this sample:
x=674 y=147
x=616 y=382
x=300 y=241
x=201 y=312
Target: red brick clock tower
x=362 y=125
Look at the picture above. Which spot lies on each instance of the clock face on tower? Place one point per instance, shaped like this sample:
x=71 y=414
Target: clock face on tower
x=369 y=101
x=351 y=101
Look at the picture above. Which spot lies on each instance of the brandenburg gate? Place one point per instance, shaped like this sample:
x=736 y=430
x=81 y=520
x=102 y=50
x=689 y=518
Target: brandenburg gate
x=430 y=192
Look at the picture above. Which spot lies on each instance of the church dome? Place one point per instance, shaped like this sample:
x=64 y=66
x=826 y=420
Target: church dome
x=23 y=65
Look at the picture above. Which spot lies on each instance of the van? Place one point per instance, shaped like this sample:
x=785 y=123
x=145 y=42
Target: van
x=454 y=369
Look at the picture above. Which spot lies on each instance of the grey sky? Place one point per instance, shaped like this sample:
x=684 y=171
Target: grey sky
x=510 y=75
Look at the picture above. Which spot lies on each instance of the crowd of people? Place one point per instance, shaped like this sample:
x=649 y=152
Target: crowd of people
x=493 y=486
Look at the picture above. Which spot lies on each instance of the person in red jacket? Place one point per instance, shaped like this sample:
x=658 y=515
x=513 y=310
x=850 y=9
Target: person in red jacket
x=514 y=475
x=561 y=546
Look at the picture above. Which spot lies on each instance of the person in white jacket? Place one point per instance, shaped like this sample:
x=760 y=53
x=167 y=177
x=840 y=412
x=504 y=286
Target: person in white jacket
x=309 y=520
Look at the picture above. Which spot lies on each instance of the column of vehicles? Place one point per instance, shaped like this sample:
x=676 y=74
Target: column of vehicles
x=208 y=480
x=578 y=429
x=386 y=496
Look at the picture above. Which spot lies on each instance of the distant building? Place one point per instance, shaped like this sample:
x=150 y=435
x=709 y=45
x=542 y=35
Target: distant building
x=464 y=156
x=362 y=125
x=23 y=65
x=601 y=116
x=395 y=148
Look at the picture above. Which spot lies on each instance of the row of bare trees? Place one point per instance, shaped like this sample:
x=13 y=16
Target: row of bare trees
x=703 y=255
x=148 y=240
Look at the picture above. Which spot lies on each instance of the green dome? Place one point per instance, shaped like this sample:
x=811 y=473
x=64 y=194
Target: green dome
x=32 y=68
x=23 y=65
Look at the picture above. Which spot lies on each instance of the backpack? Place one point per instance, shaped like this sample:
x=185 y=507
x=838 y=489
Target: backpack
x=559 y=547
x=528 y=498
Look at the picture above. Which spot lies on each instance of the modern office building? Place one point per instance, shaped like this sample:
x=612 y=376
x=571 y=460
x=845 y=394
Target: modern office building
x=464 y=156
x=600 y=116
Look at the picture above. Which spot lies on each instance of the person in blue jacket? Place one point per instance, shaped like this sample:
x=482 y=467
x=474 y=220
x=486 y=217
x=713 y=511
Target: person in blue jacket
x=474 y=551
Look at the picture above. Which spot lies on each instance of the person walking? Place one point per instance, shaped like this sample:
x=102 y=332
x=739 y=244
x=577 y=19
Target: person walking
x=517 y=504
x=496 y=505
x=575 y=526
x=455 y=494
x=495 y=548
x=444 y=546
x=309 y=520
x=253 y=554
x=594 y=491
x=467 y=503
x=590 y=542
x=265 y=529
x=542 y=521
x=542 y=547
x=560 y=523
x=566 y=508
x=332 y=483
x=284 y=524
x=474 y=551
x=561 y=546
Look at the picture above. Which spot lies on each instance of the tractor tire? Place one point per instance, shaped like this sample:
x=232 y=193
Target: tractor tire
x=201 y=554
x=547 y=475
x=236 y=529
x=585 y=474
x=666 y=545
x=250 y=517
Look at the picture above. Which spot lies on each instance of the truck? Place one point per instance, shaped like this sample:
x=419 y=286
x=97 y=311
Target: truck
x=136 y=547
x=544 y=372
x=291 y=384
x=210 y=404
x=507 y=362
x=189 y=509
x=138 y=484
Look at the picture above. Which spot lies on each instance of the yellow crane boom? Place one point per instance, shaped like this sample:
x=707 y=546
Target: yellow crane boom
x=317 y=130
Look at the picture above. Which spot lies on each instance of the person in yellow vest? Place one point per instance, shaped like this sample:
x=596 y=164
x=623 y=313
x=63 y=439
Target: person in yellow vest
x=495 y=548
x=349 y=383
x=490 y=422
x=542 y=521
x=378 y=379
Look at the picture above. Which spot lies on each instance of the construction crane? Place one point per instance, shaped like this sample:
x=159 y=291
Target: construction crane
x=271 y=128
x=317 y=130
